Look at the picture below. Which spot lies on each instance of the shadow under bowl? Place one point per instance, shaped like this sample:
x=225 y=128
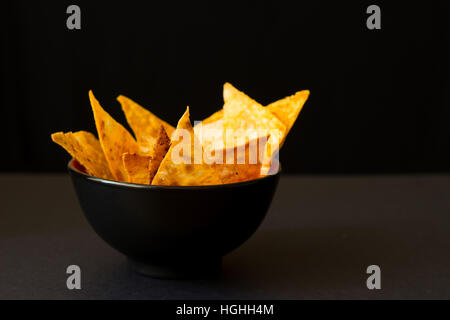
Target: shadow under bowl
x=173 y=231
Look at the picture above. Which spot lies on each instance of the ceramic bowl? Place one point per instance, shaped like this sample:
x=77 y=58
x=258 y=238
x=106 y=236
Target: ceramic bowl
x=173 y=231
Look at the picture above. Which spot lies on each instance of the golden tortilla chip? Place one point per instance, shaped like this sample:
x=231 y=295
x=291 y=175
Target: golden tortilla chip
x=288 y=109
x=245 y=114
x=86 y=149
x=144 y=124
x=137 y=167
x=180 y=166
x=114 y=139
x=159 y=151
x=242 y=112
x=188 y=169
x=247 y=162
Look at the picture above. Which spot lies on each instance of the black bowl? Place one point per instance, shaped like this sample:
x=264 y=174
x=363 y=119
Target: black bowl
x=173 y=232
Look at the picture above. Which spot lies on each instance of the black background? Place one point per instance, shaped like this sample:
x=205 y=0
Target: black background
x=379 y=99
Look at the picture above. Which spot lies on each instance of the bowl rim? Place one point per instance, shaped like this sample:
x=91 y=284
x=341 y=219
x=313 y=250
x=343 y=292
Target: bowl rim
x=128 y=185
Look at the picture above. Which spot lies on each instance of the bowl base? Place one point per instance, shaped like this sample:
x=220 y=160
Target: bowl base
x=187 y=269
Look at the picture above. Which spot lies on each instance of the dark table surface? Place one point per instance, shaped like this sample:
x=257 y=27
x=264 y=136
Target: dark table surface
x=317 y=240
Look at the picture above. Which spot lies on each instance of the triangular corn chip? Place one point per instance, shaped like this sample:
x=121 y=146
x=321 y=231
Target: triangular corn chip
x=288 y=109
x=196 y=171
x=142 y=168
x=243 y=113
x=114 y=139
x=180 y=166
x=86 y=149
x=144 y=124
x=246 y=164
x=137 y=168
x=160 y=149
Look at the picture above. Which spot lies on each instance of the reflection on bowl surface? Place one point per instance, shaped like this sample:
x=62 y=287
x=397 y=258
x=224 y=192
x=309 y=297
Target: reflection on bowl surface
x=171 y=232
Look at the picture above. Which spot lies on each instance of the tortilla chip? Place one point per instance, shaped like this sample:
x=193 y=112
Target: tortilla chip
x=142 y=168
x=144 y=124
x=288 y=109
x=137 y=168
x=194 y=171
x=86 y=149
x=244 y=167
x=159 y=151
x=243 y=113
x=228 y=92
x=114 y=139
x=180 y=167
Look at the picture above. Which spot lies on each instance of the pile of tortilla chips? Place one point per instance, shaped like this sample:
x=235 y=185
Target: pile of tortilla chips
x=238 y=143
